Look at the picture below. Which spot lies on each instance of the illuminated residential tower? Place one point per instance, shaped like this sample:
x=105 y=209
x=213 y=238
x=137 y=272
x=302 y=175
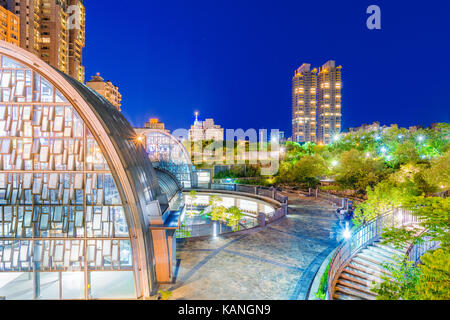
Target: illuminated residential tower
x=329 y=97
x=54 y=30
x=9 y=27
x=304 y=104
x=107 y=90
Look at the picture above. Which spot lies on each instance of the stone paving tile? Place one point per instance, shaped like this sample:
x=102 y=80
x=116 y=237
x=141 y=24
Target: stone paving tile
x=232 y=277
x=204 y=244
x=188 y=260
x=280 y=247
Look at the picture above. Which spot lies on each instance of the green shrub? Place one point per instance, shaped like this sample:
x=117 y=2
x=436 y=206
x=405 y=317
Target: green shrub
x=322 y=291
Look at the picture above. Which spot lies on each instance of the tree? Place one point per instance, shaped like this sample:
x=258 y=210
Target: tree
x=218 y=211
x=406 y=153
x=192 y=198
x=380 y=199
x=357 y=171
x=234 y=217
x=434 y=282
x=439 y=172
x=306 y=171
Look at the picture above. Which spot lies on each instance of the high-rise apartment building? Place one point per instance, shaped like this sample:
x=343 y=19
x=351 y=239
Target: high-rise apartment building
x=304 y=103
x=9 y=26
x=106 y=89
x=316 y=103
x=54 y=30
x=329 y=98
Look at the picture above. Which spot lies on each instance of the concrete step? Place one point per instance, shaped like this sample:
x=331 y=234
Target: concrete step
x=390 y=248
x=355 y=286
x=343 y=296
x=355 y=293
x=402 y=248
x=374 y=257
x=363 y=276
x=382 y=252
x=367 y=265
x=349 y=277
x=365 y=272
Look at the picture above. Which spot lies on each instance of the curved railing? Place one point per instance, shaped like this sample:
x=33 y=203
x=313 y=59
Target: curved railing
x=253 y=190
x=417 y=251
x=363 y=237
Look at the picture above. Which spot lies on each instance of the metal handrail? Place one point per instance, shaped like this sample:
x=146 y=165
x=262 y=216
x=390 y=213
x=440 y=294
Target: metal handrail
x=252 y=189
x=363 y=237
x=417 y=250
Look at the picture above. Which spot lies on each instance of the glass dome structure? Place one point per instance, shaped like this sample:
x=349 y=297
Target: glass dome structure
x=77 y=194
x=167 y=153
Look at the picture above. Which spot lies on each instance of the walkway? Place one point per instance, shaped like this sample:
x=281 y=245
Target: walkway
x=279 y=262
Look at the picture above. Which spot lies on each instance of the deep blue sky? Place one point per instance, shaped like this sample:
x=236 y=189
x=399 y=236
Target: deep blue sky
x=233 y=60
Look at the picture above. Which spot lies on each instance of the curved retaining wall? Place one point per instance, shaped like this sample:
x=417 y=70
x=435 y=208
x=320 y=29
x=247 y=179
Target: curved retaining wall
x=256 y=193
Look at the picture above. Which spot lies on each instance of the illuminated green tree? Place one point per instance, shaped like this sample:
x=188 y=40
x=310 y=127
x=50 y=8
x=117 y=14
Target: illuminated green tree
x=356 y=171
x=234 y=217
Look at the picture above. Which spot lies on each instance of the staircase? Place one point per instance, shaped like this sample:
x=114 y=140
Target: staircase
x=355 y=281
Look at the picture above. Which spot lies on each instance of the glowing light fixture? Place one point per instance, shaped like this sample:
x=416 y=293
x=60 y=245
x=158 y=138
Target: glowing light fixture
x=347 y=234
x=140 y=139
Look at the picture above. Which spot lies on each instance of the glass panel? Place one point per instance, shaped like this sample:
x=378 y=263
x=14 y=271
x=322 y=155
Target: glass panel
x=112 y=285
x=16 y=285
x=49 y=285
x=73 y=285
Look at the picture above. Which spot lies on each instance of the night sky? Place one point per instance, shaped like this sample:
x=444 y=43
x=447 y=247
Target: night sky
x=234 y=60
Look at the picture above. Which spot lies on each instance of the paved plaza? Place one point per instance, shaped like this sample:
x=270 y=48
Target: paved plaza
x=278 y=262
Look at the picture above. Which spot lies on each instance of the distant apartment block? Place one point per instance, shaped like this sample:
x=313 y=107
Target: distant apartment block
x=317 y=103
x=366 y=128
x=9 y=27
x=54 y=30
x=304 y=86
x=106 y=89
x=329 y=102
